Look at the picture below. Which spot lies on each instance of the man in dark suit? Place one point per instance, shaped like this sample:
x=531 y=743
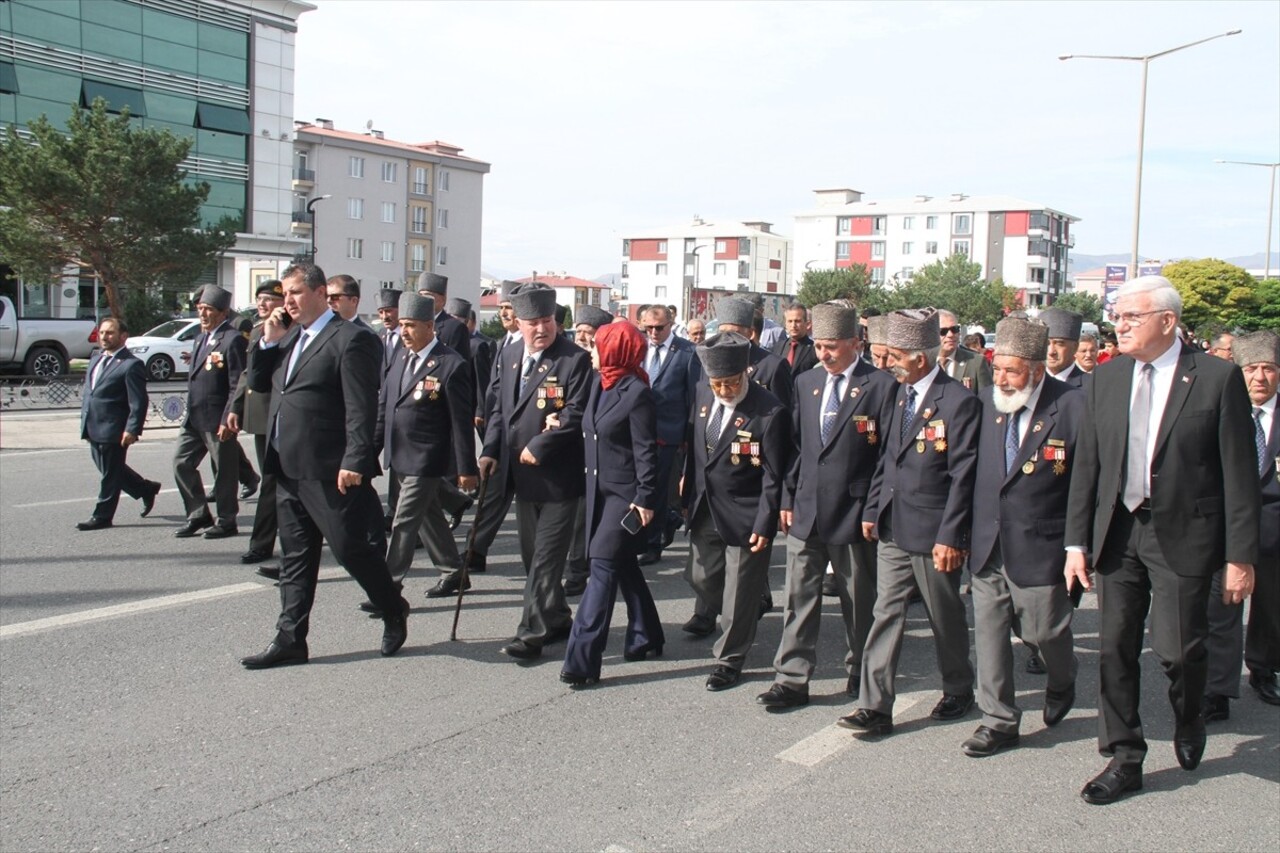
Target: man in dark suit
x=389 y=314
x=1026 y=447
x=921 y=510
x=323 y=376
x=672 y=367
x=217 y=359
x=877 y=328
x=1163 y=492
x=425 y=432
x=739 y=439
x=344 y=299
x=113 y=407
x=481 y=357
x=544 y=375
x=1258 y=355
x=796 y=349
x=765 y=369
x=965 y=366
x=249 y=413
x=1064 y=342
x=841 y=413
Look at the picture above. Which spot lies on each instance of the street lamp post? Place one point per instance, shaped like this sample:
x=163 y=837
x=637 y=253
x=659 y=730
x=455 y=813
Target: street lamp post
x=697 y=275
x=312 y=214
x=1142 y=124
x=1271 y=203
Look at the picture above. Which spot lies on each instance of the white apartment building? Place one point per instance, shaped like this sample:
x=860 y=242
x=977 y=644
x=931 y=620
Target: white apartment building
x=383 y=211
x=666 y=265
x=1024 y=243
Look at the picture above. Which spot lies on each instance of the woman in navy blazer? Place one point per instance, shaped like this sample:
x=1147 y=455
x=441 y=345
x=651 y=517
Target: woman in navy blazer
x=621 y=458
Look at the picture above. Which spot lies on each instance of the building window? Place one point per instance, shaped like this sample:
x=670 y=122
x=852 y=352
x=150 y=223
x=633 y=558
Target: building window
x=420 y=180
x=718 y=269
x=419 y=257
x=843 y=224
x=842 y=250
x=744 y=269
x=721 y=247
x=688 y=269
x=930 y=223
x=355 y=208
x=1036 y=275
x=744 y=246
x=877 y=249
x=878 y=225
x=355 y=167
x=931 y=247
x=662 y=247
x=442 y=255
x=355 y=248
x=419 y=225
x=960 y=247
x=689 y=244
x=442 y=179
x=877 y=275
x=660 y=269
x=660 y=292
x=388 y=251
x=624 y=269
x=1038 y=221
x=961 y=223
x=388 y=211
x=442 y=218
x=907 y=248
x=908 y=222
x=907 y=273
x=626 y=248
x=389 y=173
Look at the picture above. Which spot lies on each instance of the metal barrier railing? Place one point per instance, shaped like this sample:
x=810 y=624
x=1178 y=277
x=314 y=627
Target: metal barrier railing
x=166 y=405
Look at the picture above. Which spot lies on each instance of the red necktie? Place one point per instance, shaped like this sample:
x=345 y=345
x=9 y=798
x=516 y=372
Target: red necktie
x=791 y=356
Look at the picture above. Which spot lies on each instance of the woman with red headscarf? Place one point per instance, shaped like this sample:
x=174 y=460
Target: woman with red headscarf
x=621 y=457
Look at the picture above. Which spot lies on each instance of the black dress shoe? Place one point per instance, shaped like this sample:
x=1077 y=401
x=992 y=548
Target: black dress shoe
x=577 y=680
x=521 y=650
x=555 y=635
x=210 y=496
x=648 y=558
x=149 y=499
x=853 y=687
x=222 y=531
x=766 y=604
x=448 y=585
x=641 y=652
x=247 y=490
x=395 y=630
x=674 y=522
x=1216 y=709
x=1188 y=744
x=271 y=573
x=1057 y=704
x=782 y=696
x=254 y=556
x=987 y=741
x=574 y=588
x=1265 y=685
x=1110 y=785
x=192 y=527
x=868 y=722
x=94 y=524
x=951 y=707
x=276 y=655
x=1035 y=666
x=456 y=518
x=476 y=564
x=722 y=678
x=699 y=625
x=375 y=612
x=829 y=586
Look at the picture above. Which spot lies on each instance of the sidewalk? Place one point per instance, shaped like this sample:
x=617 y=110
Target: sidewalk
x=58 y=428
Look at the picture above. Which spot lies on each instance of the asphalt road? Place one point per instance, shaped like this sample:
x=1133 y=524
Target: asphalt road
x=128 y=724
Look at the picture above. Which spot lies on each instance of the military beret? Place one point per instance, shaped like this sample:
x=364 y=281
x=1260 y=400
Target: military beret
x=533 y=300
x=592 y=316
x=725 y=354
x=913 y=329
x=458 y=307
x=415 y=306
x=1062 y=323
x=1256 y=347
x=736 y=311
x=388 y=297
x=878 y=329
x=432 y=283
x=215 y=297
x=1023 y=338
x=834 y=322
x=271 y=286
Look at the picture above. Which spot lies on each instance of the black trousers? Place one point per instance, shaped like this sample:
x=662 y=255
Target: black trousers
x=117 y=477
x=310 y=513
x=1262 y=638
x=263 y=537
x=1135 y=579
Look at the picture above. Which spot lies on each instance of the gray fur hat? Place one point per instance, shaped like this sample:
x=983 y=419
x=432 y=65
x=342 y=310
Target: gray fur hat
x=215 y=297
x=415 y=306
x=736 y=311
x=506 y=289
x=1062 y=323
x=533 y=301
x=1256 y=347
x=389 y=297
x=592 y=316
x=878 y=329
x=833 y=321
x=432 y=283
x=1024 y=338
x=913 y=329
x=458 y=307
x=725 y=354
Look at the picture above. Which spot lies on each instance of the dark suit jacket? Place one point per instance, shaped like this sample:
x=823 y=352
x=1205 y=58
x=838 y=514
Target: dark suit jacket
x=1027 y=513
x=827 y=487
x=743 y=497
x=1204 y=474
x=426 y=430
x=1269 y=537
x=621 y=447
x=482 y=350
x=454 y=335
x=516 y=422
x=806 y=358
x=765 y=369
x=673 y=389
x=501 y=349
x=921 y=495
x=217 y=359
x=328 y=410
x=252 y=408
x=393 y=355
x=972 y=370
x=118 y=401
x=1075 y=377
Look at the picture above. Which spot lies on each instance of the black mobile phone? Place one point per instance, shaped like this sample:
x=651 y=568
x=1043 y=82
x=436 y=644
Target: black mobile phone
x=631 y=522
x=286 y=319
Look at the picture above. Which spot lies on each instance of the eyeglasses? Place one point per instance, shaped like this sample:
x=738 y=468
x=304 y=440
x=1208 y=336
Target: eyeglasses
x=949 y=330
x=1133 y=319
x=656 y=328
x=725 y=384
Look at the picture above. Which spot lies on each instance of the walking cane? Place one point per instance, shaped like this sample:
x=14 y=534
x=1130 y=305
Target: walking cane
x=464 y=573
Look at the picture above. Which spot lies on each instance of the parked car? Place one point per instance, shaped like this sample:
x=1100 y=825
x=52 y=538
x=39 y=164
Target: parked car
x=42 y=346
x=166 y=349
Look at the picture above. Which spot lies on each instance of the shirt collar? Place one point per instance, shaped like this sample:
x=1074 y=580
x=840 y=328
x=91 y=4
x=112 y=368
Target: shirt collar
x=1165 y=360
x=923 y=384
x=1034 y=399
x=1268 y=406
x=318 y=324
x=425 y=351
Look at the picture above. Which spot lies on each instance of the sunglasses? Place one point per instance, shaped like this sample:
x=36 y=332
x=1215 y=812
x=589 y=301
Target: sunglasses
x=655 y=328
x=949 y=330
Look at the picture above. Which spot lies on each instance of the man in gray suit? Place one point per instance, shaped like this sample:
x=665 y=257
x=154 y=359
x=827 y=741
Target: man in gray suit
x=963 y=365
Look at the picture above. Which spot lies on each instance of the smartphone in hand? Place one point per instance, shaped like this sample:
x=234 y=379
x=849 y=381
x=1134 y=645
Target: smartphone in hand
x=631 y=522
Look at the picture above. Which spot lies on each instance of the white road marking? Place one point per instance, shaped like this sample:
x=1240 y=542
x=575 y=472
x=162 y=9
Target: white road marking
x=18 y=451
x=827 y=741
x=76 y=500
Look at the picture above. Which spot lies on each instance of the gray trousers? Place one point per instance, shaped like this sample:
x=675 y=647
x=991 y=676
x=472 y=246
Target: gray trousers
x=578 y=569
x=545 y=531
x=897 y=573
x=1040 y=616
x=1225 y=643
x=193 y=447
x=730 y=579
x=418 y=511
x=855 y=570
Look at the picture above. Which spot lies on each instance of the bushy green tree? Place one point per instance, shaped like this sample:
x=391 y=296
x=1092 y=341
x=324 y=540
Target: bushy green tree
x=956 y=284
x=1214 y=293
x=818 y=286
x=1085 y=304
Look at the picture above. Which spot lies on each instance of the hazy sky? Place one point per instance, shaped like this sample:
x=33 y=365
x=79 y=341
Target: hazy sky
x=604 y=118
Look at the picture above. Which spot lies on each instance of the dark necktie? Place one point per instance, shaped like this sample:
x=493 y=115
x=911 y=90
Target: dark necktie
x=832 y=407
x=410 y=368
x=1260 y=439
x=909 y=414
x=714 y=428
x=101 y=368
x=1012 y=442
x=529 y=362
x=1135 y=480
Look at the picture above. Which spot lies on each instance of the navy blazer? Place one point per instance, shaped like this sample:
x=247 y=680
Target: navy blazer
x=743 y=497
x=217 y=359
x=425 y=430
x=1269 y=537
x=806 y=358
x=118 y=401
x=827 y=486
x=621 y=447
x=482 y=350
x=1026 y=513
x=922 y=494
x=1075 y=377
x=765 y=369
x=517 y=421
x=673 y=388
x=453 y=333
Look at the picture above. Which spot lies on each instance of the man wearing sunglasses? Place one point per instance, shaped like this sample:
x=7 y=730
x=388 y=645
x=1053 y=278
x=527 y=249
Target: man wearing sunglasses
x=344 y=299
x=965 y=366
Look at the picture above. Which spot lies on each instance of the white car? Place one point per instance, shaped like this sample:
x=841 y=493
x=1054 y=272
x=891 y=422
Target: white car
x=166 y=349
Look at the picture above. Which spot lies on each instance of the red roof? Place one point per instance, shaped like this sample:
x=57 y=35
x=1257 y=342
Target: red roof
x=564 y=281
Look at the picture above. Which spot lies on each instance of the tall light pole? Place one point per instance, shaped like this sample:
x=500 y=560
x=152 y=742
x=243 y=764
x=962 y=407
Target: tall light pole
x=1142 y=124
x=697 y=276
x=312 y=214
x=1271 y=203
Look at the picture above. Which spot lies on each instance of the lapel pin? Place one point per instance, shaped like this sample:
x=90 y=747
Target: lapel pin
x=1186 y=379
x=1039 y=426
x=817 y=391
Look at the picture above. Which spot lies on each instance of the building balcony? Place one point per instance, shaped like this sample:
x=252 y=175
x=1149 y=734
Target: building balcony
x=304 y=179
x=302 y=222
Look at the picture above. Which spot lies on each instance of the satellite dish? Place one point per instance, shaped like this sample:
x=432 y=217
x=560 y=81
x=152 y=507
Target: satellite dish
x=368 y=125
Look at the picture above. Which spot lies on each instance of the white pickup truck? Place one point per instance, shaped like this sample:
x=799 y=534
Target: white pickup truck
x=40 y=346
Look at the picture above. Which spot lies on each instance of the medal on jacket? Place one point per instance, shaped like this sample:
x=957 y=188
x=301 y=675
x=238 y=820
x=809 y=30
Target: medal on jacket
x=920 y=439
x=1029 y=466
x=866 y=425
x=550 y=391
x=1055 y=451
x=968 y=382
x=936 y=432
x=214 y=360
x=430 y=386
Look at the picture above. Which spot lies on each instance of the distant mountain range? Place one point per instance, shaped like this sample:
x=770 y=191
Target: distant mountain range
x=1082 y=263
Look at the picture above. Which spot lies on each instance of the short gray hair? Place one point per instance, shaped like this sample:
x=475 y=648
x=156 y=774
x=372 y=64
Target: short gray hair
x=1164 y=296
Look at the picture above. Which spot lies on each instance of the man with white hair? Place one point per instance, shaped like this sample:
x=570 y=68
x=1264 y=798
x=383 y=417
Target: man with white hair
x=1164 y=491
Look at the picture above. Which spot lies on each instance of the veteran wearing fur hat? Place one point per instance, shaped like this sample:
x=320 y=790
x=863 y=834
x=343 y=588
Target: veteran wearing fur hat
x=389 y=314
x=449 y=330
x=1064 y=341
x=772 y=373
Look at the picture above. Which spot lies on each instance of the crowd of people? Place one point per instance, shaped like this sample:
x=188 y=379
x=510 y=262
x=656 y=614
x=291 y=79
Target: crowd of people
x=888 y=460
